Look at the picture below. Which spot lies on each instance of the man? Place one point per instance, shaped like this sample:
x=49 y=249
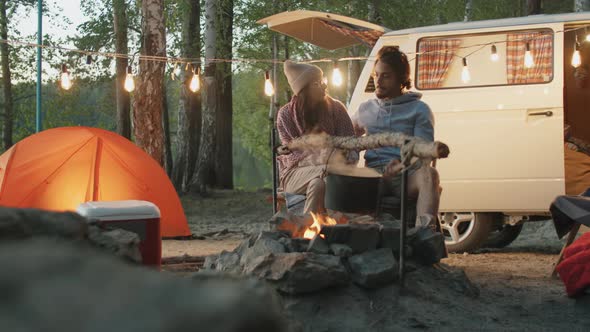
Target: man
x=397 y=110
x=310 y=110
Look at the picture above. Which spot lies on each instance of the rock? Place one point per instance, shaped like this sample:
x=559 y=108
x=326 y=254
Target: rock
x=265 y=244
x=120 y=242
x=274 y=235
x=363 y=237
x=297 y=273
x=23 y=223
x=373 y=269
x=319 y=246
x=244 y=245
x=337 y=233
x=341 y=250
x=295 y=245
x=428 y=246
x=63 y=284
x=289 y=222
x=227 y=262
x=210 y=262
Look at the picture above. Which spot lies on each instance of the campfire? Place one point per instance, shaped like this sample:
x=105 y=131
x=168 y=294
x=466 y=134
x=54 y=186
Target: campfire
x=319 y=220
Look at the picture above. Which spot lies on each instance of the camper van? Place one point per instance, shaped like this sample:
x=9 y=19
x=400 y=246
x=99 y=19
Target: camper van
x=500 y=91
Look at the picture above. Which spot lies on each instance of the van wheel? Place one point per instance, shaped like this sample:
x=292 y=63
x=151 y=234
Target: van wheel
x=503 y=235
x=466 y=231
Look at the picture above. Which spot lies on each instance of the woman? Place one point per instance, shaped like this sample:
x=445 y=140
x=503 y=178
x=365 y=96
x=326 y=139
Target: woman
x=310 y=110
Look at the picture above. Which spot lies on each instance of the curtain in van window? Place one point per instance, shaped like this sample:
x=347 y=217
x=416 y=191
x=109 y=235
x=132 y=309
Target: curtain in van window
x=541 y=46
x=434 y=60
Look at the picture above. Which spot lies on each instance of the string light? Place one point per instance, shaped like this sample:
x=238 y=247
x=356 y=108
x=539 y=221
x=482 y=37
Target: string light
x=195 y=83
x=269 y=90
x=494 y=56
x=529 y=62
x=465 y=75
x=576 y=59
x=65 y=79
x=336 y=75
x=129 y=81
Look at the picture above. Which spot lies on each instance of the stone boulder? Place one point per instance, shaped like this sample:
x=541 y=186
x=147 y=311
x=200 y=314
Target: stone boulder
x=49 y=285
x=373 y=269
x=297 y=273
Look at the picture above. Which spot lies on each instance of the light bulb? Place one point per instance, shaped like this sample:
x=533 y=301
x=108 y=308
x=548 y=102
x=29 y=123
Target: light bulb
x=129 y=82
x=465 y=75
x=529 y=62
x=336 y=75
x=494 y=56
x=269 y=90
x=177 y=70
x=65 y=79
x=576 y=59
x=195 y=84
x=588 y=37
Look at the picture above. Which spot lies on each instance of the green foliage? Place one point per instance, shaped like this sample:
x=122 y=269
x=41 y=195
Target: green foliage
x=91 y=100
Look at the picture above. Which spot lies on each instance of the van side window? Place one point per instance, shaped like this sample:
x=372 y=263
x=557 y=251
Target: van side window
x=487 y=59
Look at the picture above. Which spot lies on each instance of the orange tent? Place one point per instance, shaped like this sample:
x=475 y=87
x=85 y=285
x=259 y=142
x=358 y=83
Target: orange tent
x=60 y=168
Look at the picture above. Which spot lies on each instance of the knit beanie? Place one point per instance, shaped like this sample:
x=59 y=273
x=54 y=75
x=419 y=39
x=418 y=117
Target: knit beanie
x=300 y=74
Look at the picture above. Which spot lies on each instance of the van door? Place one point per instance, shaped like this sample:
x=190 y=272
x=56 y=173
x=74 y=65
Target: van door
x=329 y=31
x=504 y=128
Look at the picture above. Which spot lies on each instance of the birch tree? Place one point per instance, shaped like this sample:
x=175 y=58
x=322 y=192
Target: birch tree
x=148 y=98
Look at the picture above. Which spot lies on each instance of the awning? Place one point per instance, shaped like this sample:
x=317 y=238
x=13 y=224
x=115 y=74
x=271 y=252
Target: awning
x=329 y=31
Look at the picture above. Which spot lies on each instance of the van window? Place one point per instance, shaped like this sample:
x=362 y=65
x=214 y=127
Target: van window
x=442 y=62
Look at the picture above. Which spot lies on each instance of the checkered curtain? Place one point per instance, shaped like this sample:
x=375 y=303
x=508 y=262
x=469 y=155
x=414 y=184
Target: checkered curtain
x=541 y=46
x=434 y=60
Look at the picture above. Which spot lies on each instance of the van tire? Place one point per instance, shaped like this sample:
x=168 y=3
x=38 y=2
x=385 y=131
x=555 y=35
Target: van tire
x=503 y=236
x=466 y=231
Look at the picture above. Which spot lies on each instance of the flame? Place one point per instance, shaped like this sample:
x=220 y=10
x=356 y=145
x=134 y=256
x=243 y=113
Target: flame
x=315 y=228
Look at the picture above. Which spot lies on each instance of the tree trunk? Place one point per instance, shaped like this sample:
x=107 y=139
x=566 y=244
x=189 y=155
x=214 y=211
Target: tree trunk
x=534 y=7
x=147 y=102
x=123 y=98
x=581 y=5
x=189 y=108
x=207 y=141
x=223 y=146
x=468 y=10
x=168 y=164
x=6 y=78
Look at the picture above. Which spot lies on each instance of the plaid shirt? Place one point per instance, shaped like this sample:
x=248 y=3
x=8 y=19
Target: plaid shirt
x=290 y=125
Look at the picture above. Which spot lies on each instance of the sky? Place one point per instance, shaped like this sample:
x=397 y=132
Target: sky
x=68 y=8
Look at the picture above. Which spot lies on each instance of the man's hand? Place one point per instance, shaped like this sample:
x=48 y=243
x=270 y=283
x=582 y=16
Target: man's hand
x=393 y=168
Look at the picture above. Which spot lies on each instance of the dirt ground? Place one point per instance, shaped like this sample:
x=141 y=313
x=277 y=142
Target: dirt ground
x=515 y=281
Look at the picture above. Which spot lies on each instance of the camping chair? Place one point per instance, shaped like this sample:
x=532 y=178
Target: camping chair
x=568 y=216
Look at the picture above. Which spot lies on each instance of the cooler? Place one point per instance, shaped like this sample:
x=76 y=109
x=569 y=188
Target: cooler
x=140 y=217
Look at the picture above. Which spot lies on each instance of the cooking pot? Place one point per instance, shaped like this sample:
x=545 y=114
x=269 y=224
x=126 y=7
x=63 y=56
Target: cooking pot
x=354 y=194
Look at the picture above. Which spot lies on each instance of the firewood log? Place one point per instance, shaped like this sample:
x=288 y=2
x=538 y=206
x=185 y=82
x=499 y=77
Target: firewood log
x=420 y=148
